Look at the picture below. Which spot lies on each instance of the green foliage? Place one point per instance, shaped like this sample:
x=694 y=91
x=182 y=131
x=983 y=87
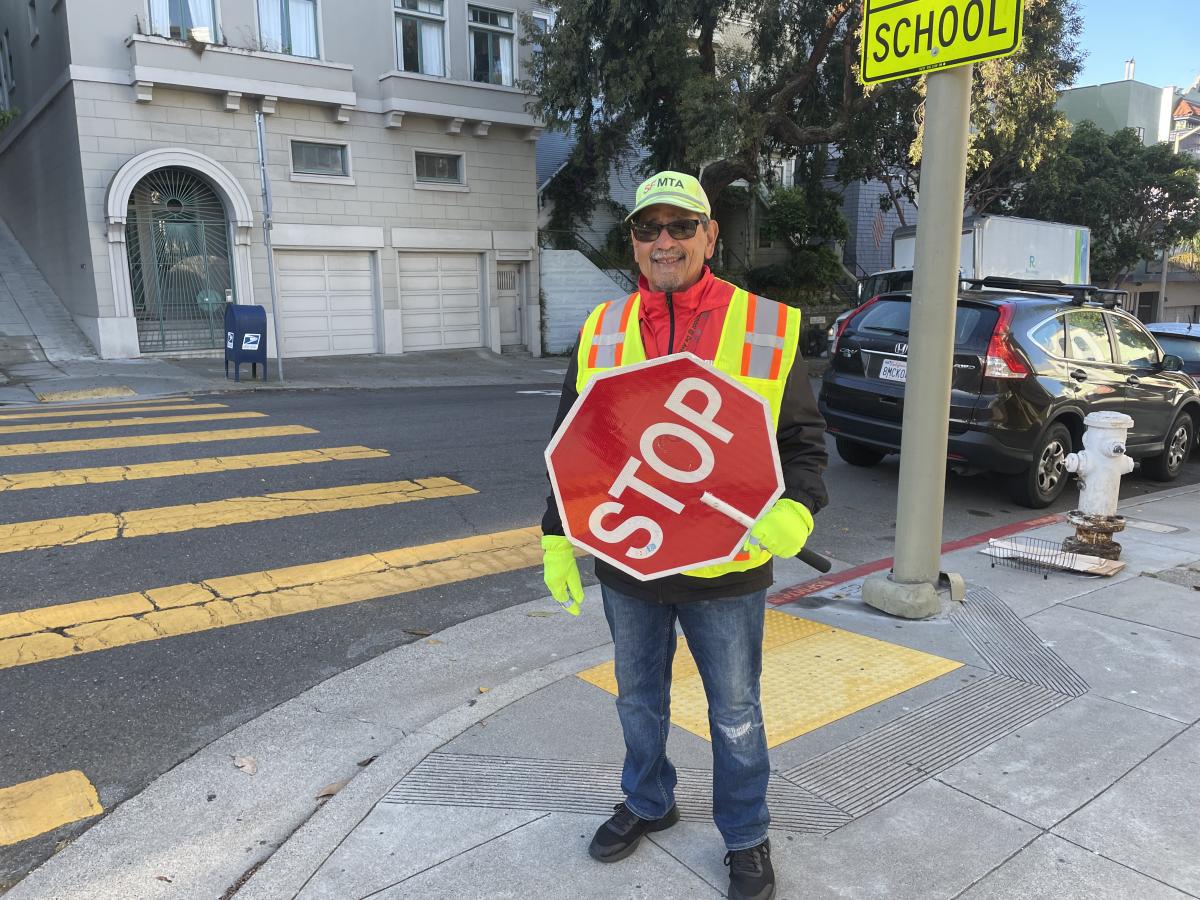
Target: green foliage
x=7 y=116
x=1135 y=199
x=805 y=215
x=805 y=278
x=1015 y=125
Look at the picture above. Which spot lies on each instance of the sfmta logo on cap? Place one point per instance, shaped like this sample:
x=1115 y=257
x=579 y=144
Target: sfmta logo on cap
x=665 y=181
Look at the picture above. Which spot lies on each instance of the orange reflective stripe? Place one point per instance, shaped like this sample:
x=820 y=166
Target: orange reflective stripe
x=595 y=348
x=780 y=331
x=619 y=350
x=747 y=347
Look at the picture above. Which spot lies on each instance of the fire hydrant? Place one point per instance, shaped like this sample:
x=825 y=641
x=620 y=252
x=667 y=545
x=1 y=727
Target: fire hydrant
x=1099 y=466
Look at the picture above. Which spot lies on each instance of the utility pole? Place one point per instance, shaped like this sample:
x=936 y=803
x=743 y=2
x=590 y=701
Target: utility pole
x=266 y=207
x=911 y=590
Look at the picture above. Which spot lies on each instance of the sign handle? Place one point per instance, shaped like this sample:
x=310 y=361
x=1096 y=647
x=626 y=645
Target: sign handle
x=806 y=556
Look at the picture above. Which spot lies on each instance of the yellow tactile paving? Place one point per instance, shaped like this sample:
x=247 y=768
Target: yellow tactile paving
x=813 y=674
x=106 y=622
x=35 y=807
x=101 y=410
x=85 y=394
x=70 y=530
x=136 y=472
x=127 y=423
x=125 y=442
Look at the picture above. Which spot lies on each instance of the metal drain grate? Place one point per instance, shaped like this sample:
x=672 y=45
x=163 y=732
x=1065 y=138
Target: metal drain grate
x=499 y=782
x=882 y=764
x=1010 y=647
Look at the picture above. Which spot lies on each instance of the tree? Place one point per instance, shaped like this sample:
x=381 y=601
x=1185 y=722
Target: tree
x=1015 y=124
x=718 y=87
x=1135 y=199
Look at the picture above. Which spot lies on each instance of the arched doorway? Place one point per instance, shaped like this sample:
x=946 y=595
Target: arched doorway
x=177 y=235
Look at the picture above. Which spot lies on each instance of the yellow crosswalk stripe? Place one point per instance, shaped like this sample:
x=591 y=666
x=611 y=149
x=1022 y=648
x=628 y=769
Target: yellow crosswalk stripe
x=35 y=807
x=101 y=410
x=153 y=440
x=71 y=530
x=85 y=394
x=126 y=423
x=67 y=629
x=22 y=481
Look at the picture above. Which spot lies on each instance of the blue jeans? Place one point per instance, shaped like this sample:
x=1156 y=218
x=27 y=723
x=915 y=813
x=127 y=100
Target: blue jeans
x=725 y=637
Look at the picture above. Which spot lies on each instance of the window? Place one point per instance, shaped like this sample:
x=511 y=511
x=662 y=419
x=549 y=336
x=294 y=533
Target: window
x=1141 y=133
x=1134 y=346
x=491 y=45
x=439 y=168
x=1051 y=336
x=973 y=325
x=1185 y=348
x=764 y=240
x=184 y=19
x=33 y=23
x=289 y=26
x=420 y=36
x=1087 y=337
x=330 y=160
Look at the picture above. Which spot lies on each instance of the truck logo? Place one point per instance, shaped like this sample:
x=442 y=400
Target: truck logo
x=902 y=349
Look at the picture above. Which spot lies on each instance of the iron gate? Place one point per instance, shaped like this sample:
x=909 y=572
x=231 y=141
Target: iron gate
x=178 y=239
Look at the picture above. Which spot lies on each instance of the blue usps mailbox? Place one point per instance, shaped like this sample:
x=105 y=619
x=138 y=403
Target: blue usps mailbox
x=245 y=339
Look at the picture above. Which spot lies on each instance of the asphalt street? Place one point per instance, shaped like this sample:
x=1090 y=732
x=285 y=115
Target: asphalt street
x=125 y=715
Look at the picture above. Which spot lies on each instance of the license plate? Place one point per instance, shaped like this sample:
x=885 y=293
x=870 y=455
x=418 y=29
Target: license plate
x=894 y=370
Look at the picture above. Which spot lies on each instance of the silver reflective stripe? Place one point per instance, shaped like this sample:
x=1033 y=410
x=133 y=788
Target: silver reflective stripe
x=609 y=335
x=762 y=338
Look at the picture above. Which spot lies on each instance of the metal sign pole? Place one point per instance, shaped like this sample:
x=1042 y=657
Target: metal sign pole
x=259 y=121
x=911 y=589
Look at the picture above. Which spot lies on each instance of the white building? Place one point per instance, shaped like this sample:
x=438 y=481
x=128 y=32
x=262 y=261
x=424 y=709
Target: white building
x=400 y=152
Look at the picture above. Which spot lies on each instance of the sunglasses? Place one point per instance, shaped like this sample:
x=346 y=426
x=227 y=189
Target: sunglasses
x=680 y=230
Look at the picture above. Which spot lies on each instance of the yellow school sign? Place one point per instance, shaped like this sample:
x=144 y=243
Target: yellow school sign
x=908 y=37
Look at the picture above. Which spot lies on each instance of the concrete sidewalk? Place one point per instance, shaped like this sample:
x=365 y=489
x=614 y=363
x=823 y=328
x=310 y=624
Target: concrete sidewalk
x=102 y=379
x=1039 y=740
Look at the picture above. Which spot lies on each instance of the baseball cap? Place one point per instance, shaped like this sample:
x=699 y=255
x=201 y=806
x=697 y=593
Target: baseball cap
x=674 y=189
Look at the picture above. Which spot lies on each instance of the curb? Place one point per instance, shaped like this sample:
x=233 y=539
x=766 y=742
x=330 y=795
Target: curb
x=286 y=872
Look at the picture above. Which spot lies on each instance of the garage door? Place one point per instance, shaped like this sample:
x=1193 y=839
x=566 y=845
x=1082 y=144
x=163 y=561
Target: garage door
x=440 y=301
x=326 y=303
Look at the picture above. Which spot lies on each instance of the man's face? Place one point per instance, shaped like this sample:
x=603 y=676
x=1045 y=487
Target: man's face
x=673 y=264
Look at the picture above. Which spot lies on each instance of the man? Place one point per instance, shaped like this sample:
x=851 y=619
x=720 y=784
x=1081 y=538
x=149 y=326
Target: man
x=680 y=306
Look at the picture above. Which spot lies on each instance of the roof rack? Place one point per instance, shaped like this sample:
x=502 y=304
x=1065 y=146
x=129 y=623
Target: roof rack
x=1079 y=293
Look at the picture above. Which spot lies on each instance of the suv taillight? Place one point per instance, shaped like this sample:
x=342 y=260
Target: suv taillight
x=837 y=339
x=1002 y=360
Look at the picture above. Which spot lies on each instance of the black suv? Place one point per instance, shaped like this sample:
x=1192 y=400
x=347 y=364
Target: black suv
x=1031 y=359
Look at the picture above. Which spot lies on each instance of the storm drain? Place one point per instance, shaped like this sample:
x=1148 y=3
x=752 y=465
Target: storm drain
x=864 y=773
x=500 y=782
x=1010 y=647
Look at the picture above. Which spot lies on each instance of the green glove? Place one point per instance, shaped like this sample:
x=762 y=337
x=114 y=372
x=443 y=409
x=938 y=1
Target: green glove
x=785 y=528
x=561 y=572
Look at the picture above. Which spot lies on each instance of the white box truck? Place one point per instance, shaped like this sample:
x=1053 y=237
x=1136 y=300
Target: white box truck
x=996 y=246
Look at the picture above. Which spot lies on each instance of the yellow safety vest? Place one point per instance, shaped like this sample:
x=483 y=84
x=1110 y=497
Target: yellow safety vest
x=758 y=345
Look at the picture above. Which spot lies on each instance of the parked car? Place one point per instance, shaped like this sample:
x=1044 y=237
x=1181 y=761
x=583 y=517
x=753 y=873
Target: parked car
x=1180 y=339
x=1031 y=360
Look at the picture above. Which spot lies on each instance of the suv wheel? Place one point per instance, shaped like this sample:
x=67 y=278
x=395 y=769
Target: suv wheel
x=1040 y=485
x=858 y=454
x=1167 y=465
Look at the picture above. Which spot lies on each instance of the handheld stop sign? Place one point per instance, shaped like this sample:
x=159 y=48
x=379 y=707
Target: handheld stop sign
x=662 y=466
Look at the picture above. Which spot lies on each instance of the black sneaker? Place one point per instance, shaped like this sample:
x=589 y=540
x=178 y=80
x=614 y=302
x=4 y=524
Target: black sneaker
x=620 y=835
x=751 y=876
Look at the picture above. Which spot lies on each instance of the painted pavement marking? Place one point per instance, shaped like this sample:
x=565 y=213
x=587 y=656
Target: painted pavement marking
x=101 y=410
x=35 y=807
x=153 y=440
x=812 y=674
x=67 y=629
x=67 y=531
x=125 y=423
x=137 y=472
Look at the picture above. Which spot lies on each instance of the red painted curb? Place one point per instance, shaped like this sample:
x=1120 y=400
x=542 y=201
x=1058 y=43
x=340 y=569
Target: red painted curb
x=791 y=594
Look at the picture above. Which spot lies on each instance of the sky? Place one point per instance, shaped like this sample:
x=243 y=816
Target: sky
x=1159 y=34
